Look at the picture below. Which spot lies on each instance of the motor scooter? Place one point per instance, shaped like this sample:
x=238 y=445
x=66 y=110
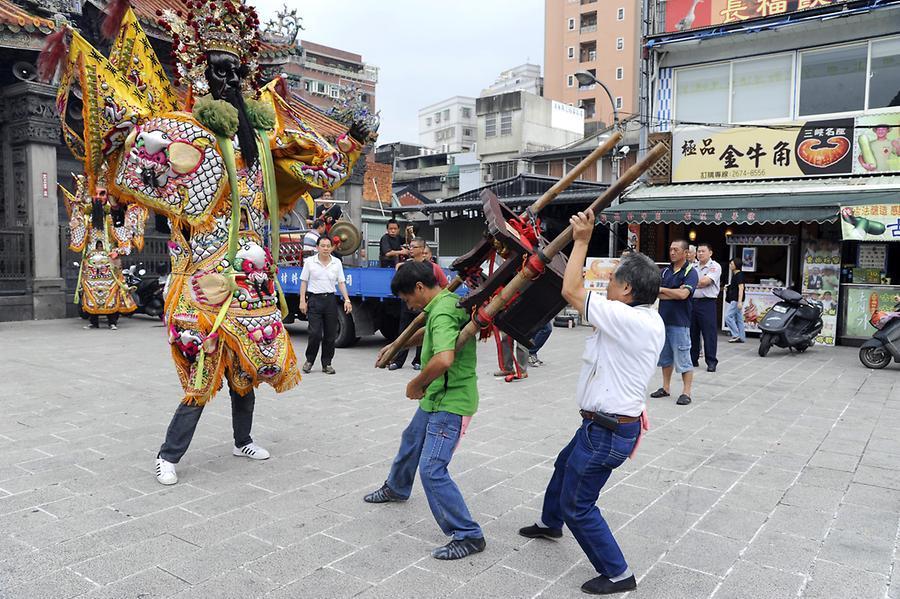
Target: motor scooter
x=147 y=290
x=793 y=323
x=884 y=345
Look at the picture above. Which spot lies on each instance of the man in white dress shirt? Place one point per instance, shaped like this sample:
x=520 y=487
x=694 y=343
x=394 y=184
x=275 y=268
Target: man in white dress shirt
x=704 y=316
x=618 y=361
x=321 y=274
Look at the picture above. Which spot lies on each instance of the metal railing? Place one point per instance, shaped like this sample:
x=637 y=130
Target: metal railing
x=15 y=261
x=588 y=28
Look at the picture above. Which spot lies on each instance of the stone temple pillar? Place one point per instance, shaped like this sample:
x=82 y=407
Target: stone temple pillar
x=33 y=133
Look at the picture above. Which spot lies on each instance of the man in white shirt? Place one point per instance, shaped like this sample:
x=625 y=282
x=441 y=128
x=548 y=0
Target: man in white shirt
x=311 y=238
x=321 y=274
x=618 y=361
x=704 y=316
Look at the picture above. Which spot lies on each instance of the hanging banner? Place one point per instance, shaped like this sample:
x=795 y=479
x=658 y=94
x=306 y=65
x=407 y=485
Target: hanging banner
x=861 y=145
x=872 y=222
x=822 y=281
x=862 y=303
x=598 y=272
x=682 y=15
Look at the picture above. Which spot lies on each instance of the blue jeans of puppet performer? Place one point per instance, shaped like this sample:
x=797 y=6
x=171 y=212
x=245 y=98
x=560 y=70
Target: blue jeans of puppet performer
x=221 y=167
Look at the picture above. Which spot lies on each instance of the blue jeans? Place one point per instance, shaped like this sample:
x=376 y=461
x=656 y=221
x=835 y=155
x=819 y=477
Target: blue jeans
x=580 y=471
x=540 y=338
x=734 y=320
x=428 y=443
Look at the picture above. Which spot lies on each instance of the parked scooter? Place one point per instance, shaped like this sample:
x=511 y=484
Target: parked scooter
x=793 y=323
x=147 y=291
x=884 y=345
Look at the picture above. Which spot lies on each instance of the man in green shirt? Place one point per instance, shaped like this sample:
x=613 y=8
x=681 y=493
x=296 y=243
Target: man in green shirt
x=447 y=391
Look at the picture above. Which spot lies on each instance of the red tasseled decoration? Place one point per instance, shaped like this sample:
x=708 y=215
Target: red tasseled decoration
x=115 y=12
x=52 y=55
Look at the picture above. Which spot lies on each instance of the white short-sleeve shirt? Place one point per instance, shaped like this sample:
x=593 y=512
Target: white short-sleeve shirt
x=322 y=278
x=620 y=357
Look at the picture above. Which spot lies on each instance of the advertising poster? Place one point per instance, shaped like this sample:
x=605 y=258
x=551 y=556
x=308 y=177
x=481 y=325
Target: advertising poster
x=597 y=272
x=872 y=222
x=748 y=258
x=876 y=147
x=812 y=148
x=822 y=282
x=757 y=301
x=683 y=15
x=634 y=236
x=862 y=303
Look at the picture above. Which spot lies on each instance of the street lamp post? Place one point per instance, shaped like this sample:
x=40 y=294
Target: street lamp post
x=584 y=79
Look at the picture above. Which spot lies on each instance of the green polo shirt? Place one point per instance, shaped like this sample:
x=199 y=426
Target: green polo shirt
x=457 y=391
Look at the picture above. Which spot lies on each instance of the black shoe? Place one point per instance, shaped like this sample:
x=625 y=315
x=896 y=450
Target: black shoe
x=307 y=367
x=383 y=495
x=711 y=368
x=660 y=393
x=394 y=366
x=328 y=369
x=459 y=549
x=683 y=400
x=695 y=364
x=417 y=366
x=539 y=532
x=604 y=586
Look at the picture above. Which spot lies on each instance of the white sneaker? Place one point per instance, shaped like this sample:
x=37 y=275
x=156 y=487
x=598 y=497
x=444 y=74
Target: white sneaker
x=113 y=327
x=252 y=451
x=165 y=472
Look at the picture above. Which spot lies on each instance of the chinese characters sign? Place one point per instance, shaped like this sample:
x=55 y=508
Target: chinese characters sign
x=682 y=15
x=864 y=145
x=876 y=222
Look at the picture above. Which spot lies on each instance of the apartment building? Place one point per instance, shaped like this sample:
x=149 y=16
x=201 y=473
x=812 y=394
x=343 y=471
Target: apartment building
x=448 y=125
x=601 y=37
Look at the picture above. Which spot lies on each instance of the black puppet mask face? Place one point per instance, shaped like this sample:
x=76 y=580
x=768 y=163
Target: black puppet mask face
x=224 y=75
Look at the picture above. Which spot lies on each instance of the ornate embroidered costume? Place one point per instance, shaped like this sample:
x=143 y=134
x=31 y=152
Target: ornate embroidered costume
x=223 y=304
x=101 y=288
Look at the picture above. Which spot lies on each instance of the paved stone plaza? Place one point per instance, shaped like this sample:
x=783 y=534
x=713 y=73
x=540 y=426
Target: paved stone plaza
x=782 y=479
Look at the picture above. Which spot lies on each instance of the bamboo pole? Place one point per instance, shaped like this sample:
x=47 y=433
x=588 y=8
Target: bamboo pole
x=538 y=205
x=524 y=277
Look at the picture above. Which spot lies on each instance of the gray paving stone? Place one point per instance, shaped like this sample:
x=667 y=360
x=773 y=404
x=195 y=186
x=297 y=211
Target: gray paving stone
x=297 y=527
x=500 y=582
x=412 y=582
x=114 y=565
x=782 y=551
x=207 y=562
x=234 y=584
x=712 y=478
x=149 y=584
x=58 y=585
x=687 y=498
x=545 y=559
x=816 y=498
x=732 y=522
x=858 y=550
x=749 y=497
x=705 y=552
x=323 y=582
x=828 y=580
x=627 y=498
x=751 y=581
x=661 y=522
x=668 y=581
x=730 y=460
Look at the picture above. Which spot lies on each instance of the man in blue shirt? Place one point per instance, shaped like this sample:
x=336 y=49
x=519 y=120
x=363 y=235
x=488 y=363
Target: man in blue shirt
x=677 y=285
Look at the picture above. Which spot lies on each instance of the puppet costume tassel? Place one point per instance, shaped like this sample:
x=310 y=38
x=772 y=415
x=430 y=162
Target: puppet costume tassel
x=115 y=12
x=52 y=55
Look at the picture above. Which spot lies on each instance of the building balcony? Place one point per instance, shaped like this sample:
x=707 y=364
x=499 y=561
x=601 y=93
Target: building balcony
x=584 y=2
x=588 y=28
x=368 y=73
x=587 y=57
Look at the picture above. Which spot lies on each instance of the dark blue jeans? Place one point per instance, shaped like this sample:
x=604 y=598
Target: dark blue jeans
x=540 y=338
x=580 y=471
x=704 y=325
x=428 y=443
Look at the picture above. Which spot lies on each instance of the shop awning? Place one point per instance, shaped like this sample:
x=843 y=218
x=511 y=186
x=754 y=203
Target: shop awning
x=806 y=202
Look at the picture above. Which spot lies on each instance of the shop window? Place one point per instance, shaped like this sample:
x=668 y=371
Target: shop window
x=701 y=94
x=761 y=89
x=884 y=80
x=833 y=80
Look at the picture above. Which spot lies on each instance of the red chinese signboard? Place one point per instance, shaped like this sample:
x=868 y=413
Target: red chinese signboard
x=682 y=15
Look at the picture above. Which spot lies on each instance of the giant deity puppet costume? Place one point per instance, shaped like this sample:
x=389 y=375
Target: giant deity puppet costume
x=102 y=231
x=221 y=166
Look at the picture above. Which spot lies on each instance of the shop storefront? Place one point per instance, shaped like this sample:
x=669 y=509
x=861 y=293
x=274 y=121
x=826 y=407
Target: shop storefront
x=787 y=234
x=870 y=280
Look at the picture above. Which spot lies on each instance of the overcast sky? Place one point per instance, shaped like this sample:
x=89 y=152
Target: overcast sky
x=426 y=50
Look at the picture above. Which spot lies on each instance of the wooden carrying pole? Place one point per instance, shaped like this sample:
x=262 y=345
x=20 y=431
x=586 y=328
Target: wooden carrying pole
x=524 y=277
x=538 y=205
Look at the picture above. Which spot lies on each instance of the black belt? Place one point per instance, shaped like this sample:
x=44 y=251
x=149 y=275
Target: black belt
x=320 y=294
x=700 y=299
x=609 y=421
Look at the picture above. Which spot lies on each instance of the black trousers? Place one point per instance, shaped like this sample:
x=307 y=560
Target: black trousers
x=703 y=326
x=110 y=319
x=321 y=313
x=184 y=423
x=406 y=317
